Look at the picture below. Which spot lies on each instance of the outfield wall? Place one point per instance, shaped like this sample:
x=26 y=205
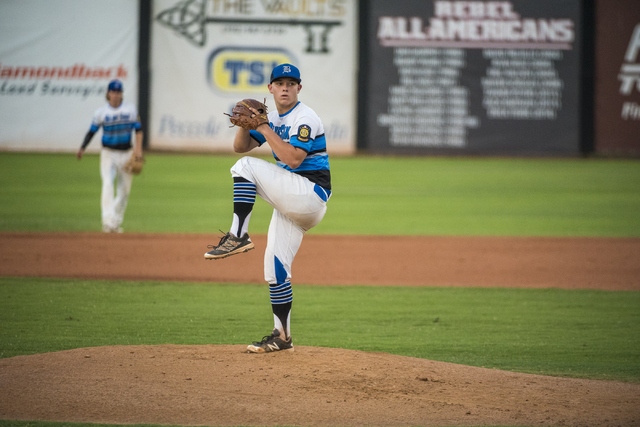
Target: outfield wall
x=522 y=78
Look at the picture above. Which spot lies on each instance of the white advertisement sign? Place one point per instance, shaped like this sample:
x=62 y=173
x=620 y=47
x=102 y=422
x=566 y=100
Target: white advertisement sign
x=56 y=60
x=207 y=55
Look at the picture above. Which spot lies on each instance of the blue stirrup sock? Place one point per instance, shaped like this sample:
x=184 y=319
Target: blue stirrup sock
x=244 y=197
x=281 y=300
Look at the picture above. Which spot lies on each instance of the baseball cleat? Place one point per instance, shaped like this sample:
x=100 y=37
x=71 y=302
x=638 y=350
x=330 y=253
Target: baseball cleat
x=230 y=245
x=109 y=229
x=271 y=343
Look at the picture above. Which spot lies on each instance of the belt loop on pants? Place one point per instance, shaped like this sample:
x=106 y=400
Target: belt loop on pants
x=322 y=192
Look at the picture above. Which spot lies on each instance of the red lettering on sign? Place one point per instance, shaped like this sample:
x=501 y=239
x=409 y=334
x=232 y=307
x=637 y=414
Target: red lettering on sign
x=75 y=72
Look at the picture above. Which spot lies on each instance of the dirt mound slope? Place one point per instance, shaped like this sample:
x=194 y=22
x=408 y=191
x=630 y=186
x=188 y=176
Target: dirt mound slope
x=224 y=386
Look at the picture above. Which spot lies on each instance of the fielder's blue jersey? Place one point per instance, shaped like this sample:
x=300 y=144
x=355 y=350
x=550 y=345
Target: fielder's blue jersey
x=117 y=125
x=302 y=128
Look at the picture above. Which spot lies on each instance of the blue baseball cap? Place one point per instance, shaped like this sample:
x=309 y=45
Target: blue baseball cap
x=285 y=70
x=115 y=85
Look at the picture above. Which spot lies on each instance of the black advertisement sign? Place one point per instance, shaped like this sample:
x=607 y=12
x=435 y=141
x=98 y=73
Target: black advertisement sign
x=472 y=77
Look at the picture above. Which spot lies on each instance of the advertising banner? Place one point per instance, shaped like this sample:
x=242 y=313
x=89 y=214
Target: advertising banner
x=56 y=60
x=617 y=85
x=208 y=54
x=472 y=77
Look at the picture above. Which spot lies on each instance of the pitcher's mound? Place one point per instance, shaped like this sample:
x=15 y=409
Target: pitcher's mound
x=225 y=386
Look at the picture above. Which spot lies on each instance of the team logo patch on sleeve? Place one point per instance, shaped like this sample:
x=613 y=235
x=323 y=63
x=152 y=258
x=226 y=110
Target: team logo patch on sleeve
x=304 y=133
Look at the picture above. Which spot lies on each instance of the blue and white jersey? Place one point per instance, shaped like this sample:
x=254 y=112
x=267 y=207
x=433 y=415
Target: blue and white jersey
x=117 y=125
x=302 y=128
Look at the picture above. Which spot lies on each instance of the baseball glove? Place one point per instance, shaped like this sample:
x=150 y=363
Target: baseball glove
x=245 y=118
x=134 y=164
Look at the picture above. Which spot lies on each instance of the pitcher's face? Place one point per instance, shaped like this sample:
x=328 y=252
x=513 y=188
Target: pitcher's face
x=285 y=92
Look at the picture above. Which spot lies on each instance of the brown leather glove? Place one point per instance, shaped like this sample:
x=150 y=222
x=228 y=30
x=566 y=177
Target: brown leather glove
x=245 y=118
x=134 y=164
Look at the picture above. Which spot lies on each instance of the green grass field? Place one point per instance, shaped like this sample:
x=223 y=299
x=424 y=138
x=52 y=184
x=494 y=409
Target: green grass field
x=372 y=195
x=580 y=333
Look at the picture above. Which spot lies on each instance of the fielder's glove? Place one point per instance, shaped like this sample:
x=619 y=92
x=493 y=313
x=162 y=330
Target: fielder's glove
x=245 y=118
x=134 y=164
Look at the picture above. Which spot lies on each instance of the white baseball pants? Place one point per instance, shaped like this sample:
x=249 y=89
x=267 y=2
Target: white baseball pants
x=111 y=168
x=297 y=208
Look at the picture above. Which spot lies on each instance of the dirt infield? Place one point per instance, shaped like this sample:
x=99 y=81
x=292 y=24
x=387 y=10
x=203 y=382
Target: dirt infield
x=570 y=263
x=224 y=386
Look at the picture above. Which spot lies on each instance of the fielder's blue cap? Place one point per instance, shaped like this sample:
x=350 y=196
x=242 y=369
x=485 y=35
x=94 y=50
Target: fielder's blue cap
x=115 y=85
x=285 y=70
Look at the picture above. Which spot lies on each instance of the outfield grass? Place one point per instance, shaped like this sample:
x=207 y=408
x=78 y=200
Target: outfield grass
x=372 y=196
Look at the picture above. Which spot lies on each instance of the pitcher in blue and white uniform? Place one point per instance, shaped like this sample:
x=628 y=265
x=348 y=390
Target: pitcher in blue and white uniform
x=298 y=187
x=118 y=120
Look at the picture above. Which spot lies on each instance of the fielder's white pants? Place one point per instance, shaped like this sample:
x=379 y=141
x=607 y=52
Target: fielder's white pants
x=297 y=208
x=111 y=169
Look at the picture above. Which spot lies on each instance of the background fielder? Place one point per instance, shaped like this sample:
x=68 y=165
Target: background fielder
x=117 y=119
x=298 y=188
